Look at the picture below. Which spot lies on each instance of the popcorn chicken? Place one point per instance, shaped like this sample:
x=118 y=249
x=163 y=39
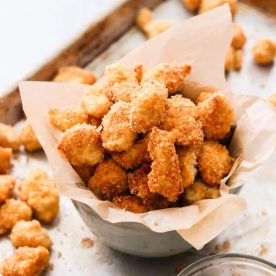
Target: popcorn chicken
x=117 y=134
x=264 y=51
x=26 y=261
x=74 y=74
x=239 y=38
x=207 y=5
x=135 y=156
x=130 y=203
x=156 y=27
x=216 y=115
x=31 y=234
x=38 y=190
x=11 y=212
x=5 y=159
x=238 y=59
x=7 y=184
x=143 y=18
x=214 y=162
x=81 y=145
x=199 y=191
x=64 y=119
x=124 y=91
x=148 y=107
x=109 y=180
x=192 y=5
x=85 y=172
x=9 y=137
x=28 y=138
x=165 y=177
x=229 y=60
x=272 y=99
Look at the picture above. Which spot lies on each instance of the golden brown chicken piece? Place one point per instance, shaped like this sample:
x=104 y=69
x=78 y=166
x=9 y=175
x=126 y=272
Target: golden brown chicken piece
x=135 y=156
x=198 y=191
x=124 y=91
x=216 y=115
x=207 y=5
x=181 y=119
x=192 y=5
x=109 y=180
x=9 y=137
x=26 y=261
x=7 y=184
x=165 y=177
x=11 y=212
x=74 y=74
x=38 y=190
x=144 y=17
x=130 y=203
x=81 y=145
x=85 y=172
x=5 y=159
x=156 y=27
x=63 y=119
x=264 y=51
x=148 y=107
x=229 y=59
x=239 y=38
x=272 y=99
x=29 y=139
x=214 y=162
x=117 y=134
x=31 y=234
x=238 y=59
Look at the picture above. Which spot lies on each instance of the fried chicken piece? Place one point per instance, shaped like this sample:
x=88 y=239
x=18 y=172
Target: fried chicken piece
x=117 y=134
x=26 y=261
x=148 y=107
x=85 y=172
x=124 y=91
x=214 y=162
x=9 y=137
x=130 y=203
x=264 y=51
x=192 y=5
x=81 y=145
x=238 y=59
x=187 y=157
x=181 y=119
x=109 y=180
x=11 y=212
x=74 y=74
x=198 y=191
x=165 y=177
x=135 y=156
x=239 y=38
x=272 y=99
x=5 y=159
x=38 y=190
x=29 y=139
x=144 y=17
x=64 y=119
x=7 y=184
x=207 y=5
x=31 y=234
x=171 y=75
x=216 y=115
x=156 y=27
x=229 y=60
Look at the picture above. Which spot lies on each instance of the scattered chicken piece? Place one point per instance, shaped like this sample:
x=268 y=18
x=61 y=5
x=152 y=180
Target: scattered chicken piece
x=238 y=59
x=143 y=18
x=157 y=27
x=7 y=184
x=130 y=203
x=239 y=38
x=264 y=51
x=207 y=5
x=5 y=159
x=192 y=5
x=229 y=60
x=29 y=139
x=9 y=138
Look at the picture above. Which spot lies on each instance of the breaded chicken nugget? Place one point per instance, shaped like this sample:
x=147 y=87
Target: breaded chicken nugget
x=26 y=261
x=229 y=60
x=11 y=212
x=5 y=159
x=239 y=38
x=135 y=156
x=144 y=16
x=156 y=27
x=31 y=234
x=28 y=138
x=130 y=203
x=38 y=190
x=124 y=91
x=85 y=172
x=207 y=5
x=198 y=191
x=192 y=5
x=64 y=119
x=171 y=75
x=238 y=59
x=81 y=145
x=272 y=99
x=181 y=119
x=148 y=107
x=165 y=177
x=216 y=115
x=109 y=180
x=9 y=137
x=117 y=134
x=264 y=51
x=74 y=74
x=214 y=162
x=7 y=184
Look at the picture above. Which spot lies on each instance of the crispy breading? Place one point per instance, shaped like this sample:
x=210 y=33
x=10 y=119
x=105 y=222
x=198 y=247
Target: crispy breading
x=165 y=177
x=75 y=74
x=264 y=51
x=117 y=134
x=85 y=172
x=171 y=75
x=148 y=107
x=192 y=5
x=9 y=138
x=135 y=156
x=229 y=59
x=31 y=234
x=7 y=183
x=130 y=203
x=207 y=5
x=144 y=16
x=124 y=91
x=64 y=119
x=181 y=119
x=11 y=212
x=38 y=190
x=272 y=99
x=26 y=261
x=239 y=38
x=5 y=159
x=214 y=162
x=216 y=115
x=156 y=27
x=81 y=145
x=29 y=139
x=198 y=191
